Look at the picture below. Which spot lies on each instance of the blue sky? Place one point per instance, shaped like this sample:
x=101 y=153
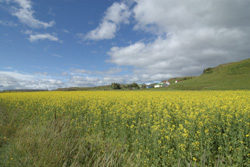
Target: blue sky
x=67 y=43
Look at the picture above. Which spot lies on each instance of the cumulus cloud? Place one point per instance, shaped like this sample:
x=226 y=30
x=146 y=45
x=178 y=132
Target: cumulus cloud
x=87 y=78
x=46 y=36
x=191 y=35
x=22 y=9
x=115 y=15
x=17 y=80
x=171 y=15
x=90 y=81
x=25 y=14
x=33 y=37
x=10 y=80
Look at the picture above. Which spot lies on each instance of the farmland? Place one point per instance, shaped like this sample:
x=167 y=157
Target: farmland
x=125 y=128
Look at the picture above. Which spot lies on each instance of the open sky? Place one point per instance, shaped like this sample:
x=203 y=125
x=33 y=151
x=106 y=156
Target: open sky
x=47 y=44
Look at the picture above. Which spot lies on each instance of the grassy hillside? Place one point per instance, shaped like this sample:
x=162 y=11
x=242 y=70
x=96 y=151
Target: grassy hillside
x=230 y=76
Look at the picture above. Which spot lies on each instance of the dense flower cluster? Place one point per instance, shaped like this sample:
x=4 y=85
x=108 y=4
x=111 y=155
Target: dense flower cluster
x=161 y=128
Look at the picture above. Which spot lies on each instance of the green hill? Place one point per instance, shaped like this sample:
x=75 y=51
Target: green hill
x=230 y=76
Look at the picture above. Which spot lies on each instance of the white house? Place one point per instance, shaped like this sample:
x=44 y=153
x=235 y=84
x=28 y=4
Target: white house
x=159 y=85
x=162 y=84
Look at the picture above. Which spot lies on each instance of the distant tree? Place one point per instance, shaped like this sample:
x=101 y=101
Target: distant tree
x=143 y=86
x=124 y=86
x=208 y=71
x=133 y=86
x=115 y=85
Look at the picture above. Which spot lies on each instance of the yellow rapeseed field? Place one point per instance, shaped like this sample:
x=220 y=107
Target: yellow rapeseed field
x=160 y=128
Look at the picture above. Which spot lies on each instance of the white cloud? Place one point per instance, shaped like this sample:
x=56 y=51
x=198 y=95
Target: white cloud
x=46 y=36
x=25 y=14
x=33 y=37
x=118 y=13
x=8 y=23
x=115 y=15
x=192 y=35
x=106 y=30
x=43 y=80
x=87 y=78
x=80 y=81
x=171 y=15
x=17 y=80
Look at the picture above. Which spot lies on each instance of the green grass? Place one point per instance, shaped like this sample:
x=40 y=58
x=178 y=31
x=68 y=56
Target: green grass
x=28 y=143
x=231 y=76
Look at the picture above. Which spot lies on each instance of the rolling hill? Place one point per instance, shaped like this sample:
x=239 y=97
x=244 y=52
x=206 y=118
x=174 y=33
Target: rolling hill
x=230 y=76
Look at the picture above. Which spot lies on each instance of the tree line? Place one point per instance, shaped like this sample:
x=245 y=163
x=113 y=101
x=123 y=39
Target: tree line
x=115 y=85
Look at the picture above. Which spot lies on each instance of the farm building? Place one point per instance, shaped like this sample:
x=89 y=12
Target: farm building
x=160 y=85
x=165 y=82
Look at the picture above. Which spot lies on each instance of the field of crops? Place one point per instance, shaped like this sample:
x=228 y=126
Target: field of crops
x=183 y=128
